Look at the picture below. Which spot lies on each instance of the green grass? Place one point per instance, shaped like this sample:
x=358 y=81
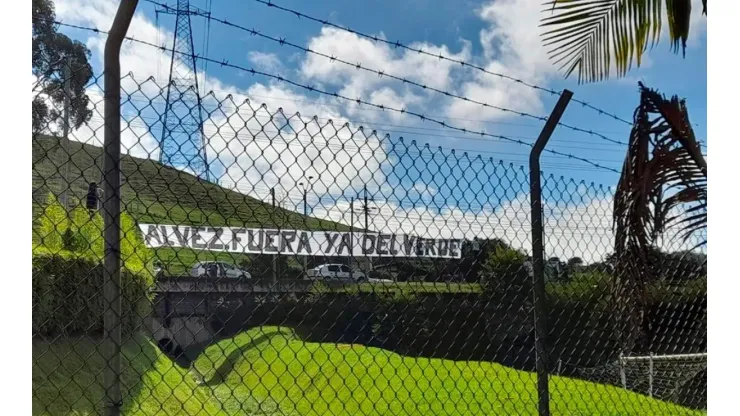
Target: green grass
x=269 y=371
x=153 y=193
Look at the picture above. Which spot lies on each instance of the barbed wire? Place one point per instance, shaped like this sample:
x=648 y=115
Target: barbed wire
x=360 y=101
x=415 y=133
x=398 y=44
x=381 y=74
x=415 y=130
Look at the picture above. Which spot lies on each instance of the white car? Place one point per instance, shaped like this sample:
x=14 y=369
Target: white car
x=335 y=272
x=378 y=280
x=218 y=269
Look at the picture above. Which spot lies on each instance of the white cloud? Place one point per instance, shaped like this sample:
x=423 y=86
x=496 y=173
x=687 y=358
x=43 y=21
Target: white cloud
x=238 y=140
x=377 y=56
x=268 y=62
x=425 y=191
x=263 y=147
x=581 y=228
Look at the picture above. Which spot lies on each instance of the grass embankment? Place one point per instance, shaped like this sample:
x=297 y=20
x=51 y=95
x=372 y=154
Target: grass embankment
x=157 y=194
x=399 y=287
x=269 y=371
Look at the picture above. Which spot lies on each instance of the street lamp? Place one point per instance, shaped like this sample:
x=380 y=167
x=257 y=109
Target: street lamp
x=308 y=184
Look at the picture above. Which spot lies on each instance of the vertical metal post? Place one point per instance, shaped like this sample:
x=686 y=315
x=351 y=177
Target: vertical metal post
x=305 y=216
x=351 y=235
x=365 y=210
x=543 y=393
x=112 y=207
x=274 y=258
x=622 y=372
x=67 y=159
x=650 y=377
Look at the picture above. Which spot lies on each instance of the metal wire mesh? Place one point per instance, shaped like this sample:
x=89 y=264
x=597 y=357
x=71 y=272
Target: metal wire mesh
x=307 y=273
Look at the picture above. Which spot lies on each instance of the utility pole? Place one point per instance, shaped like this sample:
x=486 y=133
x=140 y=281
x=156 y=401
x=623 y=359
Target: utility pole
x=366 y=210
x=305 y=215
x=67 y=158
x=305 y=187
x=183 y=141
x=351 y=234
x=274 y=257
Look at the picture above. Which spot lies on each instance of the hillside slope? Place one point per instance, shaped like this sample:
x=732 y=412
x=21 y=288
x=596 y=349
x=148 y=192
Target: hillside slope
x=270 y=371
x=153 y=193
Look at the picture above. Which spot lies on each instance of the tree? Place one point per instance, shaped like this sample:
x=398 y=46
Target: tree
x=575 y=262
x=505 y=272
x=51 y=52
x=589 y=35
x=663 y=186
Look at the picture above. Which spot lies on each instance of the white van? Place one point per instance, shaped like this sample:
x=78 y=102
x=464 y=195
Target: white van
x=335 y=272
x=218 y=269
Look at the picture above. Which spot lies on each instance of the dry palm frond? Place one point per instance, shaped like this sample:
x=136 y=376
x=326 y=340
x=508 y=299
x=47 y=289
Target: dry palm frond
x=663 y=173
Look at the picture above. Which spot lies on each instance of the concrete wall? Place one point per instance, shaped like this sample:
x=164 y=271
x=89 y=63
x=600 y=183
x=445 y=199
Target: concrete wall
x=228 y=285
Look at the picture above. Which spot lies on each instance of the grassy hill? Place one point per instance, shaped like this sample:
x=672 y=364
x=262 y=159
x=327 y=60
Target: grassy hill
x=153 y=193
x=270 y=371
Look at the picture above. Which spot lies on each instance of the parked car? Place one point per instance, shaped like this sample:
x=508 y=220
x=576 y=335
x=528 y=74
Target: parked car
x=219 y=269
x=378 y=280
x=335 y=271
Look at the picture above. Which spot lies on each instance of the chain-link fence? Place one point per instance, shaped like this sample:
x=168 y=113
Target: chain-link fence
x=274 y=263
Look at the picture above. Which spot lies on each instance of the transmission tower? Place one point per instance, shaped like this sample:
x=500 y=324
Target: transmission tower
x=183 y=144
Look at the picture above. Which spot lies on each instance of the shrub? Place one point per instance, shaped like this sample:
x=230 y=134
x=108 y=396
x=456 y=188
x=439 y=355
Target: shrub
x=588 y=286
x=68 y=272
x=85 y=234
x=134 y=253
x=68 y=293
x=506 y=273
x=53 y=225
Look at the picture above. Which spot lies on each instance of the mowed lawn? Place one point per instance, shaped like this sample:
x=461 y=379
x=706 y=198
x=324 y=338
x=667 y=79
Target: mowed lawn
x=268 y=371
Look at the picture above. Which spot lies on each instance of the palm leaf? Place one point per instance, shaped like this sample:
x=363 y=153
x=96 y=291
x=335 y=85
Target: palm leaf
x=588 y=35
x=663 y=187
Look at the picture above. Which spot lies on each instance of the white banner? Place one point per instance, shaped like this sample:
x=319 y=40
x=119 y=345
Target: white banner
x=297 y=242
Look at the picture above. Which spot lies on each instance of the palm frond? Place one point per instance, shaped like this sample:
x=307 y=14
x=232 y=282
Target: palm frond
x=588 y=35
x=663 y=187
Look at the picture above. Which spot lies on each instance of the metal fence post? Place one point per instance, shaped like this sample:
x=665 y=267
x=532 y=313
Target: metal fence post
x=274 y=257
x=112 y=207
x=650 y=377
x=540 y=314
x=622 y=371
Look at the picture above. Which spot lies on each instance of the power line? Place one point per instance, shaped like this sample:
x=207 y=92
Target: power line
x=416 y=133
x=360 y=148
x=398 y=44
x=422 y=117
x=417 y=152
x=381 y=74
x=220 y=104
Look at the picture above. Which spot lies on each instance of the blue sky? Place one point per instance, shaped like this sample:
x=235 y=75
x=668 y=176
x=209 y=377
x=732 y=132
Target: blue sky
x=447 y=24
x=501 y=35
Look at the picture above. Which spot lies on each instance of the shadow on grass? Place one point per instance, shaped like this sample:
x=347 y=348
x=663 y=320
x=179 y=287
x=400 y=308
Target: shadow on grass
x=227 y=366
x=68 y=374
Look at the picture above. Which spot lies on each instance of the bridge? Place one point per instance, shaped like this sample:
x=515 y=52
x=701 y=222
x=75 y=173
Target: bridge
x=224 y=285
x=189 y=313
x=184 y=318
